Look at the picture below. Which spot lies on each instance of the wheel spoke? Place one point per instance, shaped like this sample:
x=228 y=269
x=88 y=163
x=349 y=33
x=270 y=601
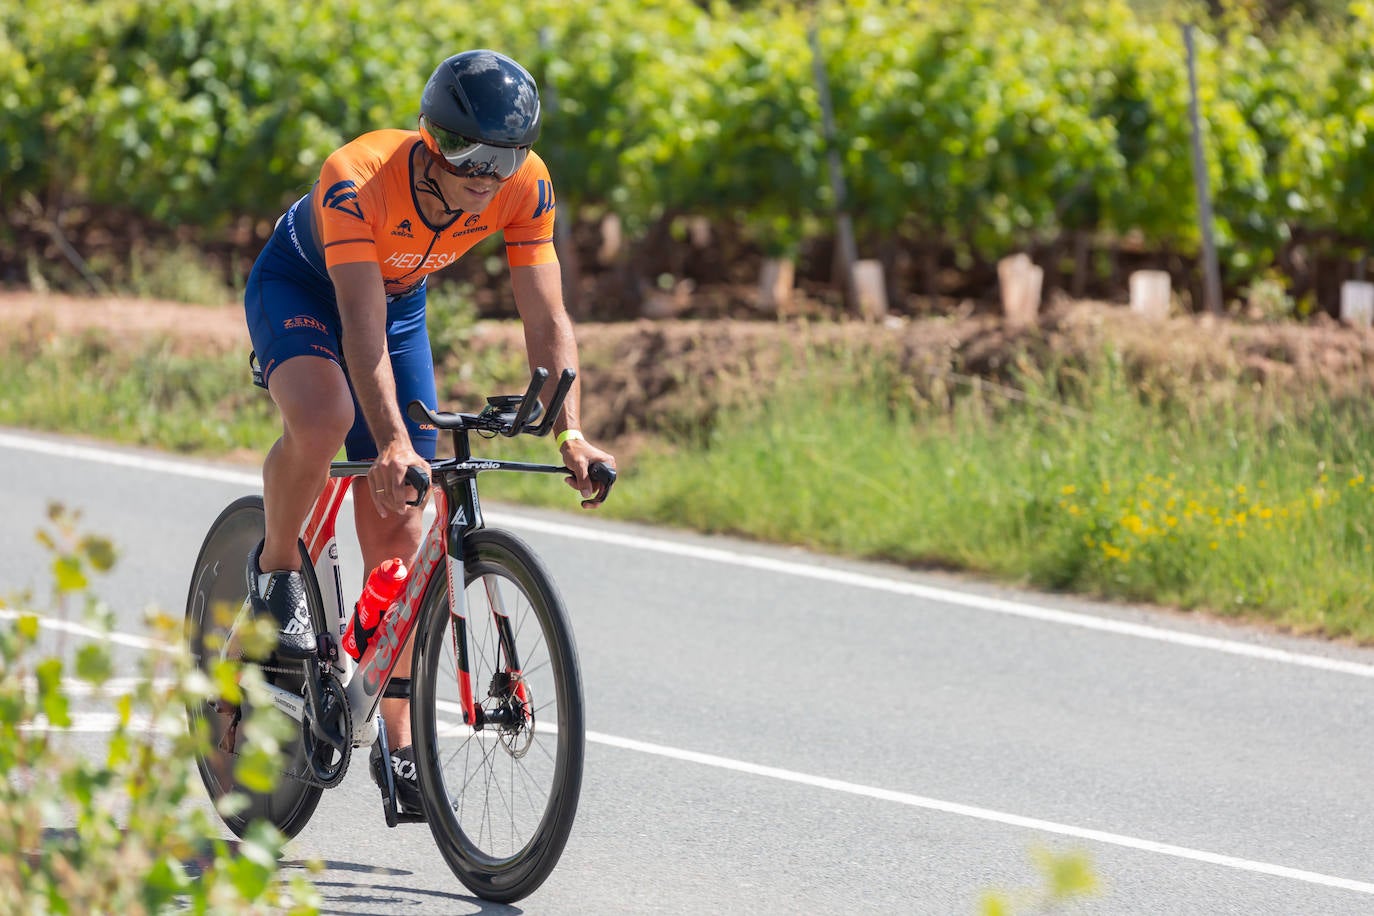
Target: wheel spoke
x=512 y=805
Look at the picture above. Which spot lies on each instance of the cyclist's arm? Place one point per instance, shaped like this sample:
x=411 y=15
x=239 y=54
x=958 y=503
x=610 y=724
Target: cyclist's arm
x=550 y=342
x=361 y=296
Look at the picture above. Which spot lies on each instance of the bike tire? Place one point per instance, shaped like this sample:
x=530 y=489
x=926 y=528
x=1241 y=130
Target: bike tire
x=217 y=596
x=498 y=861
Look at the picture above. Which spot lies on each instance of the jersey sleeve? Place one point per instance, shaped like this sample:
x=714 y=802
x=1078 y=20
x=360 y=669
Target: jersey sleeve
x=345 y=222
x=529 y=234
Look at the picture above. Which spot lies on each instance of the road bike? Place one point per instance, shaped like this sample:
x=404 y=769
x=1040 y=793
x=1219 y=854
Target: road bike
x=496 y=691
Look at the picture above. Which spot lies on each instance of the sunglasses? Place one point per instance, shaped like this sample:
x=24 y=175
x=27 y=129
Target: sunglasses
x=468 y=158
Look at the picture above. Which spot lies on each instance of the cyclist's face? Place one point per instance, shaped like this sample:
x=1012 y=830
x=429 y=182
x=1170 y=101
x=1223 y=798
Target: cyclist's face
x=469 y=194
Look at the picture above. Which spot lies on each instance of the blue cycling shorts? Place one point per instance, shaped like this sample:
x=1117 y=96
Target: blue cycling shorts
x=292 y=311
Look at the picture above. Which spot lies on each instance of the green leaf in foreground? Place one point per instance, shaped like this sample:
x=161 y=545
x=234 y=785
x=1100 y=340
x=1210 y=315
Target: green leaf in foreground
x=68 y=575
x=114 y=828
x=27 y=625
x=256 y=769
x=93 y=664
x=50 y=695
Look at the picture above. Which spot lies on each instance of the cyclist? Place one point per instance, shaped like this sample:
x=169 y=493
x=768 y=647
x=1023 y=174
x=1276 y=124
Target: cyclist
x=335 y=305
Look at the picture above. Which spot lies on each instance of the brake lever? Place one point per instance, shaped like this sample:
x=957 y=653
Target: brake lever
x=418 y=479
x=602 y=474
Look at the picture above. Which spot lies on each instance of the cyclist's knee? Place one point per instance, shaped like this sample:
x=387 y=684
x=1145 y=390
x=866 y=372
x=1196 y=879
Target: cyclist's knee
x=315 y=403
x=379 y=538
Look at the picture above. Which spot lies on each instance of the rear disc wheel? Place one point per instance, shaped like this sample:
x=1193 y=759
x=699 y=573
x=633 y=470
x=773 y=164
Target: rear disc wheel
x=216 y=607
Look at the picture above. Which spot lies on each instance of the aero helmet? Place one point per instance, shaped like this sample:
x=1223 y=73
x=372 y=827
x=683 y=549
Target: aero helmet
x=479 y=114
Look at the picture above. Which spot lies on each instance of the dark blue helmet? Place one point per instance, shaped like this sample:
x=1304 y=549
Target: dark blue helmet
x=479 y=115
x=483 y=96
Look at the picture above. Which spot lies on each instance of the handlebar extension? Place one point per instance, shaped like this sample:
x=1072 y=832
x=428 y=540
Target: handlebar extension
x=495 y=417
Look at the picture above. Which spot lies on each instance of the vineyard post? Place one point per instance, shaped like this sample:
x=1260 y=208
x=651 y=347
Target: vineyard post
x=562 y=236
x=844 y=229
x=1211 y=274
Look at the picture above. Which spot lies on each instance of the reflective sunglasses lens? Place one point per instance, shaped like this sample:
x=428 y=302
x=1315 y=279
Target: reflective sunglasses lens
x=497 y=162
x=452 y=145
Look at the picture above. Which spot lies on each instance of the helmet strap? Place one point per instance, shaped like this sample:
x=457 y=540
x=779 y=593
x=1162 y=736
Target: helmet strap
x=429 y=184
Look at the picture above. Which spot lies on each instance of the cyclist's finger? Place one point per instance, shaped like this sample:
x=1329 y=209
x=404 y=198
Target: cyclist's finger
x=577 y=479
x=388 y=491
x=581 y=486
x=379 y=496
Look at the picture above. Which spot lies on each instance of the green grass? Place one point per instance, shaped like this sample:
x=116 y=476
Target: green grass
x=1243 y=502
x=1256 y=505
x=82 y=386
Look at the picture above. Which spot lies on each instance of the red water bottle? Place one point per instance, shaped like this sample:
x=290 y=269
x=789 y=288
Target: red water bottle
x=383 y=585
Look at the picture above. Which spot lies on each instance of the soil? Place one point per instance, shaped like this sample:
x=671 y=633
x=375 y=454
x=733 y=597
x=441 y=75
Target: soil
x=640 y=375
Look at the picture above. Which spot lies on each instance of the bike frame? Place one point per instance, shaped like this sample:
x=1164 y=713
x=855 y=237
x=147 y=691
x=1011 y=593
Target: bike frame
x=458 y=510
x=453 y=484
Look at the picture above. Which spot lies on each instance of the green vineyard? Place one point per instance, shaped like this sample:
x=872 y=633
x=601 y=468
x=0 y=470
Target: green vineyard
x=964 y=131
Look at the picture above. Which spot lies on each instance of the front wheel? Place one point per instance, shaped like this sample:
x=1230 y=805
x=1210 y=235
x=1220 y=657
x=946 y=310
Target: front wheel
x=216 y=607
x=500 y=795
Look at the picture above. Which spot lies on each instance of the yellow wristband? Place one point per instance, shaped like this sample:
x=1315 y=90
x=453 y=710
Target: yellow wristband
x=568 y=435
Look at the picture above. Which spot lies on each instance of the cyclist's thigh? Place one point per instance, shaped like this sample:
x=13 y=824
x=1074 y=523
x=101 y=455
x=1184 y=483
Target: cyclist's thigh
x=412 y=366
x=290 y=310
x=315 y=400
x=294 y=327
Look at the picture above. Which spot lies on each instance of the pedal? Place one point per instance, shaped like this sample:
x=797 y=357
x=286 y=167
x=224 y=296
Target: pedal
x=389 y=807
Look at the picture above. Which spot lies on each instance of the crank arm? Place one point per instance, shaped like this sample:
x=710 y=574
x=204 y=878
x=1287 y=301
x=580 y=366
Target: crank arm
x=316 y=707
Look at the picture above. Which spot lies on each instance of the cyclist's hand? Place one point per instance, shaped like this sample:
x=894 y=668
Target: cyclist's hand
x=579 y=455
x=390 y=490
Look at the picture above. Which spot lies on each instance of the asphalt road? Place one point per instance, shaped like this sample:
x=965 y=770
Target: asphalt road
x=776 y=732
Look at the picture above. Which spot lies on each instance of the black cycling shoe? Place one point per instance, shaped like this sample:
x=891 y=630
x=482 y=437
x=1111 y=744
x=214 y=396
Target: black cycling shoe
x=284 y=598
x=403 y=774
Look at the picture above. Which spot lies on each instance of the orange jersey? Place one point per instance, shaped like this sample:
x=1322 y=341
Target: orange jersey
x=364 y=209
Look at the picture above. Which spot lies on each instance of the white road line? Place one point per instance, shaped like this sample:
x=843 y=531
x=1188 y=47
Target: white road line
x=941 y=595
x=114 y=687
x=103 y=723
x=763 y=564
x=117 y=458
x=985 y=814
x=77 y=629
x=100 y=722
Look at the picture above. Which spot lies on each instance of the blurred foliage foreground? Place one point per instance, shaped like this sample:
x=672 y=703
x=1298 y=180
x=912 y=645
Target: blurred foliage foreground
x=119 y=824
x=964 y=131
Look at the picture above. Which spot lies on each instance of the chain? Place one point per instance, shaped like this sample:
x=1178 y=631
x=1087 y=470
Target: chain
x=231 y=732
